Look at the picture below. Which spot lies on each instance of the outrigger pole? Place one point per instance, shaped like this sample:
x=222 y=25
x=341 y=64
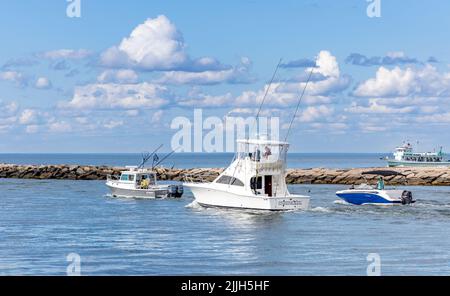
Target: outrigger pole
x=145 y=158
x=298 y=103
x=164 y=158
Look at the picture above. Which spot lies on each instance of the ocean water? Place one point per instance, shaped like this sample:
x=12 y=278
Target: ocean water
x=200 y=160
x=42 y=221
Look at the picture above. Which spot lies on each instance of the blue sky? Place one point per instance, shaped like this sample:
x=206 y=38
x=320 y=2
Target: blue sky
x=106 y=82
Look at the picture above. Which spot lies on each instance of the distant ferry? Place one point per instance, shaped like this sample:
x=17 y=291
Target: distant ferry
x=405 y=156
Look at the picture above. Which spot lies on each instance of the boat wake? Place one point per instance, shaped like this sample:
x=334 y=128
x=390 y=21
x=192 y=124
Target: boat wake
x=321 y=210
x=193 y=205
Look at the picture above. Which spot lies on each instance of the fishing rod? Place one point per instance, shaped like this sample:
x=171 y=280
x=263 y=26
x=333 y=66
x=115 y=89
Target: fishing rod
x=145 y=158
x=268 y=88
x=298 y=103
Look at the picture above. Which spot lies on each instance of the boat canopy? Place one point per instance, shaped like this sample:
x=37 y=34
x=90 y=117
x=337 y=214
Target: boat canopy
x=262 y=142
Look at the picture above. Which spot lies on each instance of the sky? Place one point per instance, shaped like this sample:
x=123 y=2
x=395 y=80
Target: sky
x=114 y=79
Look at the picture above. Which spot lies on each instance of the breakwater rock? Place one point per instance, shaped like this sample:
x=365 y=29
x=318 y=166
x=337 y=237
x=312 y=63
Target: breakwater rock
x=411 y=176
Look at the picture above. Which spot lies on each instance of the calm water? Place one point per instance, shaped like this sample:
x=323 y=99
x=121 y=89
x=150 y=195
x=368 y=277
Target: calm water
x=205 y=160
x=41 y=222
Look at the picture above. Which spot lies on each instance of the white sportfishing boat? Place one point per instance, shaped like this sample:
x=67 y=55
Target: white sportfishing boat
x=254 y=180
x=405 y=156
x=141 y=183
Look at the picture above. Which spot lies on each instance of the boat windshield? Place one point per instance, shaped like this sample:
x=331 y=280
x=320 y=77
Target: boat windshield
x=127 y=177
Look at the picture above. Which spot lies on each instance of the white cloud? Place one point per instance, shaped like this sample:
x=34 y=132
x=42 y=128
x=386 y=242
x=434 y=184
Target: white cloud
x=326 y=64
x=43 y=83
x=59 y=127
x=118 y=76
x=113 y=124
x=375 y=107
x=435 y=118
x=28 y=116
x=369 y=128
x=14 y=76
x=287 y=93
x=238 y=74
x=206 y=77
x=132 y=113
x=314 y=113
x=120 y=96
x=74 y=54
x=155 y=44
x=32 y=129
x=8 y=108
x=81 y=120
x=204 y=100
x=427 y=81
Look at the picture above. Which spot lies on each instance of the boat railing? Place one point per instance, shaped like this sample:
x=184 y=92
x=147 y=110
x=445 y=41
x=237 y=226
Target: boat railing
x=272 y=165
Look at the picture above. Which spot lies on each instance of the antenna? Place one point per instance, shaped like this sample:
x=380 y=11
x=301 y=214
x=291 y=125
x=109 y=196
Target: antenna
x=298 y=103
x=146 y=157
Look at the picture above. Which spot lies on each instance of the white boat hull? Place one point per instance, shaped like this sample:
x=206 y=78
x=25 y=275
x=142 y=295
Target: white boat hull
x=138 y=193
x=206 y=196
x=398 y=163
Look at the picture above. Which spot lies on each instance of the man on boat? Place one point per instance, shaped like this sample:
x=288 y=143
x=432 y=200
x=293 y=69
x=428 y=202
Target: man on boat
x=267 y=152
x=144 y=182
x=380 y=184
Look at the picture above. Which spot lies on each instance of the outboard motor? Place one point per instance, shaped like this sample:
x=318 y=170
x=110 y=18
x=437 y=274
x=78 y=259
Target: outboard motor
x=180 y=190
x=407 y=198
x=175 y=191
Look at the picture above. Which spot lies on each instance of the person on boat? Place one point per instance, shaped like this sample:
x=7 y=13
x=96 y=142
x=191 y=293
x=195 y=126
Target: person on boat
x=267 y=152
x=257 y=155
x=380 y=183
x=144 y=182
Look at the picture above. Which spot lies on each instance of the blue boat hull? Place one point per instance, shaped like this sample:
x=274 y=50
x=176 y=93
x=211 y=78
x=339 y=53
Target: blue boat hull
x=365 y=198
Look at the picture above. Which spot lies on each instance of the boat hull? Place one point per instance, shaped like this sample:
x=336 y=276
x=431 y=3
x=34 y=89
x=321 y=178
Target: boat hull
x=212 y=197
x=397 y=163
x=373 y=197
x=174 y=191
x=138 y=193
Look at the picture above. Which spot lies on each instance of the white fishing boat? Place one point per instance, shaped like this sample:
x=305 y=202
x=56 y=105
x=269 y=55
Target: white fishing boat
x=254 y=180
x=365 y=194
x=141 y=183
x=405 y=156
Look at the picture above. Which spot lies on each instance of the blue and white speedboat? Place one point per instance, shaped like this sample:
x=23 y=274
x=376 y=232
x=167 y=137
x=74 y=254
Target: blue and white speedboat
x=365 y=194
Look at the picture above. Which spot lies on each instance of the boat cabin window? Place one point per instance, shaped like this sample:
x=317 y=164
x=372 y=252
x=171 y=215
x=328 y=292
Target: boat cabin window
x=127 y=177
x=256 y=183
x=230 y=180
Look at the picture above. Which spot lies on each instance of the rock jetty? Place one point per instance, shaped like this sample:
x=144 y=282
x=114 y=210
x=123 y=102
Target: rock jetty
x=412 y=176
